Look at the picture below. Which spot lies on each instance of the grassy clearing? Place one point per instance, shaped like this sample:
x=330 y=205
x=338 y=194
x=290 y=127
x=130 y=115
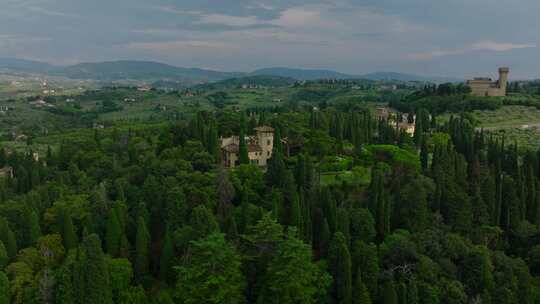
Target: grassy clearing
x=519 y=124
x=508 y=116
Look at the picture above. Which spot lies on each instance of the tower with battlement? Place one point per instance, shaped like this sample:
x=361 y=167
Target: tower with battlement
x=487 y=87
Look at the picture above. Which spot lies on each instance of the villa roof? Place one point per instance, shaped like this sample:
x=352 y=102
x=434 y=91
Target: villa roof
x=232 y=148
x=264 y=129
x=7 y=170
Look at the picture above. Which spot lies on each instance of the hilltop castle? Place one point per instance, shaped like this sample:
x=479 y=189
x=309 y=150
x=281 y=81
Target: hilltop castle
x=259 y=147
x=487 y=87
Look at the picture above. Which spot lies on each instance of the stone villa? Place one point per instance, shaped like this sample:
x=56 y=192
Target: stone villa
x=6 y=171
x=487 y=87
x=259 y=147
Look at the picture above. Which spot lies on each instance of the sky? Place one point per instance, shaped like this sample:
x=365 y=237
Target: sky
x=454 y=38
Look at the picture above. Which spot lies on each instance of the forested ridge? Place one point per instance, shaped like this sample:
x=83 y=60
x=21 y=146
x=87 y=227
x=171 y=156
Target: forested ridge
x=148 y=215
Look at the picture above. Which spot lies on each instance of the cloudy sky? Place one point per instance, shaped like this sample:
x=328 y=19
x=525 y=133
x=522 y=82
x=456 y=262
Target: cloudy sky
x=460 y=38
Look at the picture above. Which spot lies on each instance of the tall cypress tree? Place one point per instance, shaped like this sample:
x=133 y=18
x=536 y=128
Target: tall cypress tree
x=343 y=223
x=244 y=220
x=33 y=231
x=276 y=165
x=328 y=205
x=68 y=231
x=96 y=273
x=7 y=236
x=142 y=248
x=4 y=289
x=113 y=234
x=339 y=263
x=424 y=155
x=360 y=291
x=167 y=255
x=366 y=260
x=213 y=141
x=243 y=156
x=388 y=292
x=379 y=204
x=4 y=258
x=300 y=172
x=324 y=239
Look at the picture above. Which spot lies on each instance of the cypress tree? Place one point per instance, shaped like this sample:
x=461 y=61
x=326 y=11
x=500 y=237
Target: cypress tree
x=379 y=204
x=243 y=155
x=243 y=220
x=305 y=205
x=277 y=147
x=324 y=240
x=339 y=133
x=360 y=292
x=113 y=234
x=125 y=247
x=292 y=215
x=343 y=223
x=4 y=258
x=5 y=297
x=510 y=211
x=388 y=293
x=167 y=255
x=296 y=216
x=480 y=210
x=68 y=231
x=424 y=155
x=488 y=191
x=8 y=238
x=142 y=248
x=339 y=263
x=328 y=205
x=96 y=273
x=231 y=229
x=276 y=165
x=366 y=259
x=412 y=293
x=11 y=244
x=418 y=131
x=213 y=141
x=2 y=157
x=300 y=172
x=33 y=231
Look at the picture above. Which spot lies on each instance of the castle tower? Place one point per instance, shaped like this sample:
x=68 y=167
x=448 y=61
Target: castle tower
x=503 y=78
x=265 y=138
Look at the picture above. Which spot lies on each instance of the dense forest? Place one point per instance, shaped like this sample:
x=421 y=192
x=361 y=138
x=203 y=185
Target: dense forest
x=448 y=215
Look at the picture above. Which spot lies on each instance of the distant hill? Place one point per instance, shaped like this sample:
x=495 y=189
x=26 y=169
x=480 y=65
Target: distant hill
x=393 y=76
x=149 y=71
x=26 y=65
x=257 y=80
x=302 y=74
x=407 y=77
x=306 y=74
x=141 y=70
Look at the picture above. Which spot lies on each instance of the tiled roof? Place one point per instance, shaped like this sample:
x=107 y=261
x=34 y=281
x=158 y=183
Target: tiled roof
x=264 y=129
x=232 y=148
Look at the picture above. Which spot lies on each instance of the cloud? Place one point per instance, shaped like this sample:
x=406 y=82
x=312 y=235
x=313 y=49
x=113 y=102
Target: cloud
x=49 y=12
x=175 y=45
x=261 y=6
x=499 y=47
x=172 y=10
x=227 y=20
x=477 y=46
x=15 y=40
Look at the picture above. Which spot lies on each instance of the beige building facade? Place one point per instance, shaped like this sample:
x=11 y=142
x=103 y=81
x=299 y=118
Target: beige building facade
x=259 y=146
x=487 y=87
